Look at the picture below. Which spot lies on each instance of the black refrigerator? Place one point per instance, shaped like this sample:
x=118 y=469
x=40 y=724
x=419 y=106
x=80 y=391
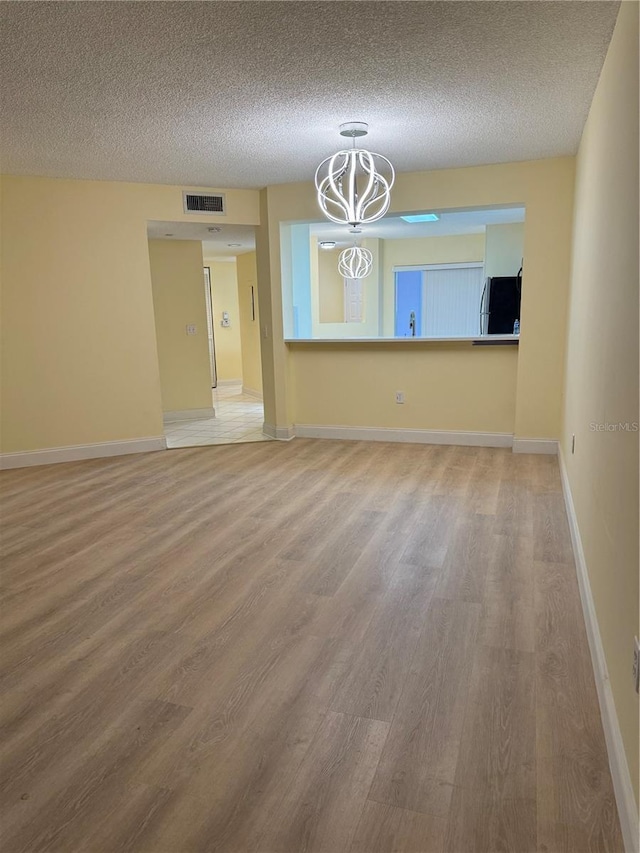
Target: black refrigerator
x=500 y=304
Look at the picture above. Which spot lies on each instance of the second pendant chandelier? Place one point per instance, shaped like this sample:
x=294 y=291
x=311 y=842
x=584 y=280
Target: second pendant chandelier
x=355 y=262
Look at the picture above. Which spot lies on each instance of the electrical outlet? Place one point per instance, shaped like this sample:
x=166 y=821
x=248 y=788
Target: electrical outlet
x=636 y=664
x=191 y=329
x=399 y=396
x=573 y=443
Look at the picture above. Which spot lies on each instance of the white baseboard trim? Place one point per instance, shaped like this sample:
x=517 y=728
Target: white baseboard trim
x=415 y=436
x=251 y=392
x=226 y=383
x=280 y=433
x=618 y=765
x=535 y=445
x=51 y=455
x=188 y=415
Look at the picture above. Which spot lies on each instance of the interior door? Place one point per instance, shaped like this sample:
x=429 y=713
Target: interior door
x=210 y=337
x=408 y=309
x=353 y=300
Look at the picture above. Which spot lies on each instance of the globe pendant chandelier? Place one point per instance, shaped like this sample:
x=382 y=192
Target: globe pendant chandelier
x=354 y=185
x=355 y=262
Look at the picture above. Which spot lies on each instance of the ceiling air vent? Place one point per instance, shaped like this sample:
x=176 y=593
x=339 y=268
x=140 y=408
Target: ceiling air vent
x=203 y=203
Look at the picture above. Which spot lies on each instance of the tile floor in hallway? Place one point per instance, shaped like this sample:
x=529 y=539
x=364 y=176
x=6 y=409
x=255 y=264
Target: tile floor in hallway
x=238 y=419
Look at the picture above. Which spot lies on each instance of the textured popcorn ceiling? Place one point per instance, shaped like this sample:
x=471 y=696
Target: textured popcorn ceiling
x=245 y=94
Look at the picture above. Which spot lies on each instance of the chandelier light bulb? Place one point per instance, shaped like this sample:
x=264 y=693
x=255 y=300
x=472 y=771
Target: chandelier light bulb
x=355 y=262
x=354 y=185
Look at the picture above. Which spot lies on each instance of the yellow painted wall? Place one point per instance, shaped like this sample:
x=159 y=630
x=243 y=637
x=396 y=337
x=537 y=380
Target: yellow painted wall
x=275 y=364
x=249 y=327
x=602 y=363
x=544 y=187
x=224 y=292
x=178 y=300
x=463 y=248
x=330 y=286
x=79 y=349
x=446 y=386
x=79 y=361
x=504 y=249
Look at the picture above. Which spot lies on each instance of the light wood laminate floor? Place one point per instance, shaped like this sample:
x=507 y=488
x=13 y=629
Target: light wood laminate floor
x=327 y=646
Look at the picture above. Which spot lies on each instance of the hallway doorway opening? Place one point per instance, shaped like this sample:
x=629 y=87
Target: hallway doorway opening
x=208 y=333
